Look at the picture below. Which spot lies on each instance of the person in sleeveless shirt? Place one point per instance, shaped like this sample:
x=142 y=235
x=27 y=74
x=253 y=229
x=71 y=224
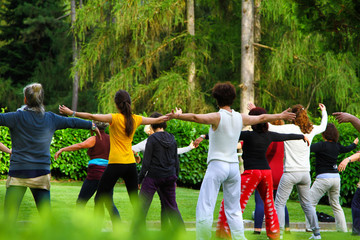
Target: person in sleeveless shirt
x=223 y=165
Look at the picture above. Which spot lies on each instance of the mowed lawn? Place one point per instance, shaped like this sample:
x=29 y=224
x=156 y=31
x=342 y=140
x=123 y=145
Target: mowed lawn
x=64 y=195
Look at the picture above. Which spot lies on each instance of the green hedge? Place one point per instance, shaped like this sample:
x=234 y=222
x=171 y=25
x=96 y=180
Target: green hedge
x=73 y=164
x=192 y=164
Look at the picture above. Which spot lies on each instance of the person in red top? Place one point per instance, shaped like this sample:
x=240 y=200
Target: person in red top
x=98 y=151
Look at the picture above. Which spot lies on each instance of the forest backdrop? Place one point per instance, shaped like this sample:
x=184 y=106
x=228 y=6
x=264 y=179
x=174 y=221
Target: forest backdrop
x=169 y=53
x=308 y=52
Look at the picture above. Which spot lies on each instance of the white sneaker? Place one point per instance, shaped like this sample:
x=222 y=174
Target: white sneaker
x=315 y=237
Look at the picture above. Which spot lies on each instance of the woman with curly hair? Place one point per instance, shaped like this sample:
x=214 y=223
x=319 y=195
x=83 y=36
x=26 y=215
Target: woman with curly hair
x=297 y=166
x=257 y=174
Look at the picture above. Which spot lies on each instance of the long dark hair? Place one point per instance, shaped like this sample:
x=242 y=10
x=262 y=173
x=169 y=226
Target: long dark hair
x=261 y=127
x=123 y=103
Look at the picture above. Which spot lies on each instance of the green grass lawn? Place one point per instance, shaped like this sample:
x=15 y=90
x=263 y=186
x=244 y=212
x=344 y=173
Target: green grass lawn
x=64 y=195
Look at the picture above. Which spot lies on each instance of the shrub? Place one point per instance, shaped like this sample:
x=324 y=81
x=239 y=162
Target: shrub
x=73 y=165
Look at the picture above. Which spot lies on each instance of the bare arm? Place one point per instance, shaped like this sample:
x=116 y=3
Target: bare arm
x=344 y=117
x=252 y=120
x=148 y=120
x=98 y=117
x=88 y=143
x=209 y=118
x=353 y=158
x=4 y=148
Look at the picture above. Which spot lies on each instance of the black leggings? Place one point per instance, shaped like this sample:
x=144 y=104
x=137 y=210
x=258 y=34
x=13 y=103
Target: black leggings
x=112 y=173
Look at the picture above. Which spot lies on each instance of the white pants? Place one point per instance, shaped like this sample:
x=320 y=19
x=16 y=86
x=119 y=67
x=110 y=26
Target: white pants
x=302 y=181
x=320 y=187
x=217 y=173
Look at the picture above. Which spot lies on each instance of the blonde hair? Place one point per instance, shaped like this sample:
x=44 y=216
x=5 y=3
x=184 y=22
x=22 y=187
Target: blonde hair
x=34 y=94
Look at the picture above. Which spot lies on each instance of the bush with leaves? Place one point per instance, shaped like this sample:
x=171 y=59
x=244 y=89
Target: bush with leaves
x=73 y=165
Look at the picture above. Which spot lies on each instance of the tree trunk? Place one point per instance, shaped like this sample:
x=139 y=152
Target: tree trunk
x=75 y=57
x=247 y=55
x=257 y=39
x=191 y=30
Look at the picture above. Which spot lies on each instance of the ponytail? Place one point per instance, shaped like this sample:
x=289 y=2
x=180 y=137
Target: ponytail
x=123 y=103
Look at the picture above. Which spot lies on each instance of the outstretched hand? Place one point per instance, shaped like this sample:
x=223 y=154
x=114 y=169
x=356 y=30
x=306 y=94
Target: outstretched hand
x=174 y=113
x=65 y=110
x=251 y=106
x=198 y=141
x=57 y=154
x=343 y=117
x=343 y=164
x=287 y=115
x=322 y=107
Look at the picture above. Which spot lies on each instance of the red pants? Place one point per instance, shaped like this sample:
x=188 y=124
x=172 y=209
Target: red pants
x=251 y=180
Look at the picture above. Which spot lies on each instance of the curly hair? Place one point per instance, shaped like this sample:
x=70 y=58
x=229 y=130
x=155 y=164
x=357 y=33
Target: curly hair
x=261 y=127
x=224 y=93
x=302 y=120
x=331 y=133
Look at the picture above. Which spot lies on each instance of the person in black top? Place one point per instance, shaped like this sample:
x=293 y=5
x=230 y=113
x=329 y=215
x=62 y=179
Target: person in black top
x=327 y=174
x=159 y=171
x=257 y=174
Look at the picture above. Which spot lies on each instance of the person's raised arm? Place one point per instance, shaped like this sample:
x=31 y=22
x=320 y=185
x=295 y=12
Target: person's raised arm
x=98 y=117
x=252 y=119
x=88 y=143
x=353 y=158
x=344 y=117
x=324 y=119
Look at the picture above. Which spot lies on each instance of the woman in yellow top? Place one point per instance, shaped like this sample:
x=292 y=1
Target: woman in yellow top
x=121 y=158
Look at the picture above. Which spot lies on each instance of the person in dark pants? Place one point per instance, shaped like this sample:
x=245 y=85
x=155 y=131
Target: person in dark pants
x=343 y=117
x=121 y=158
x=159 y=171
x=31 y=131
x=98 y=151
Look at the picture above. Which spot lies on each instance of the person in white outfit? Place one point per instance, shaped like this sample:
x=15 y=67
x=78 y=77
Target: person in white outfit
x=223 y=165
x=297 y=166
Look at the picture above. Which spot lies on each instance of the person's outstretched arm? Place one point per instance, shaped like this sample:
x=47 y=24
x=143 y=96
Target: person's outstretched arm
x=353 y=158
x=252 y=120
x=4 y=148
x=88 y=143
x=344 y=117
x=209 y=118
x=98 y=117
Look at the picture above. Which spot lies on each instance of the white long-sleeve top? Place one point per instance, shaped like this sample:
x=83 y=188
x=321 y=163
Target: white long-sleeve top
x=140 y=147
x=297 y=153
